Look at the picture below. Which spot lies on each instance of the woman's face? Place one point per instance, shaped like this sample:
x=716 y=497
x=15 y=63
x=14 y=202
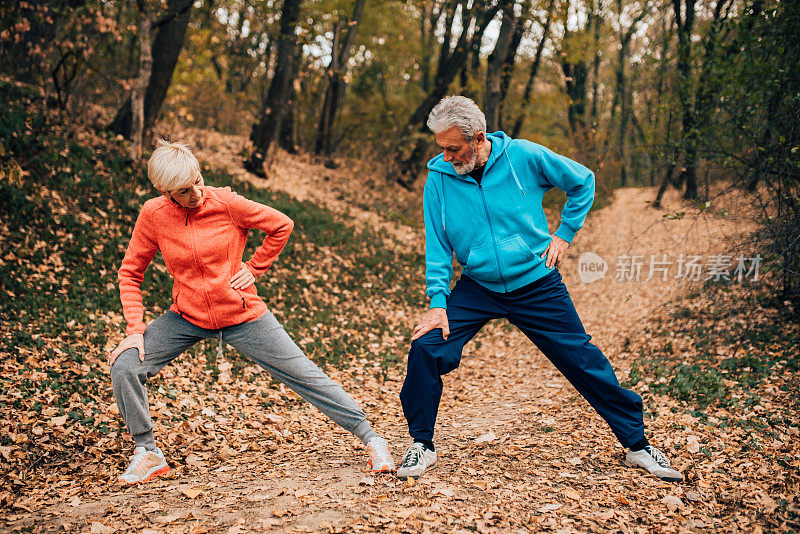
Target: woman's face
x=190 y=196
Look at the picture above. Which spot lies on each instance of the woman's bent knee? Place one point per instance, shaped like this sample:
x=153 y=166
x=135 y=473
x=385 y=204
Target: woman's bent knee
x=126 y=363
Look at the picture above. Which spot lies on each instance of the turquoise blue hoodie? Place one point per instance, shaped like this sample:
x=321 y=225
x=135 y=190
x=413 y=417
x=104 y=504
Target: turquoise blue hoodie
x=498 y=230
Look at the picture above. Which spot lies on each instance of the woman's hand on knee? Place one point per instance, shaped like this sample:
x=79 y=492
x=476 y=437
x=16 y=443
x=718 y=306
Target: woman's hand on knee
x=133 y=341
x=435 y=318
x=243 y=279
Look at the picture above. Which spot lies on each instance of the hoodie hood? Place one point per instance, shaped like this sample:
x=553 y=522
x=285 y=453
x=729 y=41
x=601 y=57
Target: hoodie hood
x=500 y=142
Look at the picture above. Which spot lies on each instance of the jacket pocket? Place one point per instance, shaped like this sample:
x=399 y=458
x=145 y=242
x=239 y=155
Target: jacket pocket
x=482 y=263
x=515 y=256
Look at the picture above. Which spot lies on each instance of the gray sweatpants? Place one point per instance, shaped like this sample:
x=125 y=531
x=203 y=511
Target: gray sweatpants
x=263 y=340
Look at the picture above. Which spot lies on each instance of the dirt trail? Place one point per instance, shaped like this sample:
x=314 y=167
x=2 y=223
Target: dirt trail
x=519 y=449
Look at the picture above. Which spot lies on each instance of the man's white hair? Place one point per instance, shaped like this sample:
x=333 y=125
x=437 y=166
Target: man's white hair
x=458 y=111
x=172 y=166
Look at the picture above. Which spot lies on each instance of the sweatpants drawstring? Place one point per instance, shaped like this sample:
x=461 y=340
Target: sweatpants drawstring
x=219 y=348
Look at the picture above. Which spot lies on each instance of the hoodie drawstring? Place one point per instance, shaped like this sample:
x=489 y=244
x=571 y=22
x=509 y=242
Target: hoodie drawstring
x=444 y=224
x=513 y=172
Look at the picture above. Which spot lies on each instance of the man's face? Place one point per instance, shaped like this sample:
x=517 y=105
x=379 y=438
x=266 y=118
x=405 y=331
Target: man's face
x=462 y=154
x=189 y=196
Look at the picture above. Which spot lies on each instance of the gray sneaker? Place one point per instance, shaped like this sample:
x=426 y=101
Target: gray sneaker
x=416 y=461
x=654 y=462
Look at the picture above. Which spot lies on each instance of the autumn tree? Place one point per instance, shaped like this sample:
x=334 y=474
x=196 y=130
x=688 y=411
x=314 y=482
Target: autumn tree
x=170 y=31
x=344 y=34
x=265 y=131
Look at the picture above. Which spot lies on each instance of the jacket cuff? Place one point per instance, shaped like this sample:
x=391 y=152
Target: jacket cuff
x=135 y=329
x=565 y=233
x=256 y=272
x=439 y=300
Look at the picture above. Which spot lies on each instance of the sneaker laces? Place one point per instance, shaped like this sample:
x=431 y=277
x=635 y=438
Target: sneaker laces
x=658 y=456
x=412 y=455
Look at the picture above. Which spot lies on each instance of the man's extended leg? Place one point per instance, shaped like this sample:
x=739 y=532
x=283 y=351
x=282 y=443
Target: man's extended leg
x=469 y=307
x=544 y=311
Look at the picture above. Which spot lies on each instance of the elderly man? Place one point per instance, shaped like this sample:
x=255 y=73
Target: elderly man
x=483 y=200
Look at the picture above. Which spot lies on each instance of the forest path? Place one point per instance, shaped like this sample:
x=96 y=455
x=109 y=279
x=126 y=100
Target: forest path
x=518 y=448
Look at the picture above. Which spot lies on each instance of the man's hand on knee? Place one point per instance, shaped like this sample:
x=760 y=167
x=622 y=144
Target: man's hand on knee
x=133 y=341
x=435 y=318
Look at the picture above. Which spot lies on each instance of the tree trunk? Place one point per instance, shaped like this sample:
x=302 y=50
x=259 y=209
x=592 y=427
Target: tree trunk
x=337 y=68
x=597 y=22
x=450 y=64
x=685 y=26
x=265 y=130
x=526 y=95
x=288 y=130
x=622 y=95
x=167 y=44
x=510 y=62
x=142 y=81
x=497 y=59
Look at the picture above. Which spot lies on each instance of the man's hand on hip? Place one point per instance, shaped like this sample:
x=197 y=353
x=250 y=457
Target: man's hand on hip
x=555 y=252
x=435 y=318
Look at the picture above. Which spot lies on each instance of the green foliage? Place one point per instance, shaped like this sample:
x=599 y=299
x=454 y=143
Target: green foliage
x=726 y=360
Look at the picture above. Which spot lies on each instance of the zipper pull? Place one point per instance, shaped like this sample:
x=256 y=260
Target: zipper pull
x=243 y=306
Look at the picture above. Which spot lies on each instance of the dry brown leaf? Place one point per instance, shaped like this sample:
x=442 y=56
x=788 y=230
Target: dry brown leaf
x=192 y=493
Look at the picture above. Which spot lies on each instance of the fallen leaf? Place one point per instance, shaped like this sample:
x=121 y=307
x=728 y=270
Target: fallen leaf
x=549 y=507
x=673 y=502
x=489 y=436
x=100 y=528
x=59 y=421
x=572 y=494
x=693 y=444
x=192 y=492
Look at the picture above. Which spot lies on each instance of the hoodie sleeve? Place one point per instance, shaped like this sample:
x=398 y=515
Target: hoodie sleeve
x=141 y=249
x=438 y=251
x=249 y=214
x=576 y=181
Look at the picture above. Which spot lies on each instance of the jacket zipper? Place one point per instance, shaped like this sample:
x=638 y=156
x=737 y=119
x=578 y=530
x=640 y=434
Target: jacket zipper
x=202 y=274
x=494 y=241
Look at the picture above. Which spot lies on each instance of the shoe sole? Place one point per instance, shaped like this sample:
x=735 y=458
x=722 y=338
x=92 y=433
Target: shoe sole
x=415 y=477
x=158 y=472
x=382 y=469
x=666 y=479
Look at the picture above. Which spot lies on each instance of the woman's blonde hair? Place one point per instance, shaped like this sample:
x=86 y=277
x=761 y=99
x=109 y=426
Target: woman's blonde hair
x=172 y=166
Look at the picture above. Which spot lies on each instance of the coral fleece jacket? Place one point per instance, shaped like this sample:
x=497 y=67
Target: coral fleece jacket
x=202 y=248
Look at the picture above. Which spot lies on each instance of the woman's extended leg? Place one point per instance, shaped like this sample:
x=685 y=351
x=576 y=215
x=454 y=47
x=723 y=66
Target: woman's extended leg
x=266 y=342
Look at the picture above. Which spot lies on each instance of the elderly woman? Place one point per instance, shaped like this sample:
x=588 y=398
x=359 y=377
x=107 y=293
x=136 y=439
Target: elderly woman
x=201 y=232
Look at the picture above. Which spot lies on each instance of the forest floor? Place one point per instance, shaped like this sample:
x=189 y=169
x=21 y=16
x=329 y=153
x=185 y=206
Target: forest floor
x=519 y=450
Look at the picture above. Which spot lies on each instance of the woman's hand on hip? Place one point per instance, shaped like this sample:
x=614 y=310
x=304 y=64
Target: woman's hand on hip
x=243 y=279
x=133 y=341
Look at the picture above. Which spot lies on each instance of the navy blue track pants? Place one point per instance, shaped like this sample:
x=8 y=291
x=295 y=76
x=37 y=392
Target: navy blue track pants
x=544 y=311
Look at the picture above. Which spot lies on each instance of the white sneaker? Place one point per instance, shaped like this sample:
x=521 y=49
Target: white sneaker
x=654 y=461
x=416 y=461
x=144 y=466
x=380 y=459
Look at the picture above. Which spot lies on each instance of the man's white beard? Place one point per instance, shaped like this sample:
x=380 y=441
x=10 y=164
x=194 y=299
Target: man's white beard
x=466 y=168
